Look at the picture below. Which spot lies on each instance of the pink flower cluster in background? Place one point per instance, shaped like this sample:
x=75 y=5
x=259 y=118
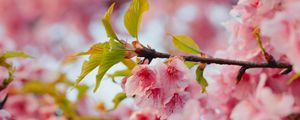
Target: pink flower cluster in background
x=159 y=90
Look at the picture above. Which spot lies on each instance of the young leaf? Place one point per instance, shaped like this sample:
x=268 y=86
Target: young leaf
x=186 y=44
x=96 y=48
x=133 y=16
x=3 y=63
x=81 y=91
x=118 y=99
x=38 y=87
x=112 y=54
x=13 y=54
x=120 y=73
x=200 y=79
x=94 y=61
x=10 y=78
x=190 y=64
x=130 y=64
x=106 y=22
x=296 y=76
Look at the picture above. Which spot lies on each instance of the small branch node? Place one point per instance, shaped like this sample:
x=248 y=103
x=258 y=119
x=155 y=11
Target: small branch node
x=241 y=73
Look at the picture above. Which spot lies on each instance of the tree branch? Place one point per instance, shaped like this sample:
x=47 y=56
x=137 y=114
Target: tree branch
x=151 y=54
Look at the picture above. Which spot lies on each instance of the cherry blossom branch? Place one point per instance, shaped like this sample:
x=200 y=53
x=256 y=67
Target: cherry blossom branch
x=151 y=54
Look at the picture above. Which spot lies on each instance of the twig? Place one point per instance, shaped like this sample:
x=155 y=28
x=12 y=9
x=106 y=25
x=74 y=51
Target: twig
x=151 y=53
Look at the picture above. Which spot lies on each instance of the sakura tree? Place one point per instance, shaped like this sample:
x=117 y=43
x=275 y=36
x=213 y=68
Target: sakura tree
x=254 y=75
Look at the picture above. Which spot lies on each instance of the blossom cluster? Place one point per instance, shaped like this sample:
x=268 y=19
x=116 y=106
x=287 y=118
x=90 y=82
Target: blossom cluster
x=262 y=93
x=163 y=88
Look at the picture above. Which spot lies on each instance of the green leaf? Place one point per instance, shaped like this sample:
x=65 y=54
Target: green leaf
x=38 y=87
x=13 y=54
x=133 y=16
x=296 y=76
x=130 y=64
x=81 y=91
x=94 y=61
x=118 y=99
x=120 y=73
x=186 y=44
x=106 y=22
x=96 y=48
x=112 y=54
x=4 y=63
x=201 y=80
x=190 y=64
x=10 y=78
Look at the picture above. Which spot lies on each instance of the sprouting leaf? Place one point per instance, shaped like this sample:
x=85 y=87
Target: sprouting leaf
x=186 y=44
x=130 y=64
x=81 y=90
x=69 y=59
x=13 y=54
x=94 y=60
x=112 y=54
x=190 y=64
x=8 y=66
x=3 y=63
x=96 y=48
x=296 y=76
x=10 y=78
x=133 y=16
x=200 y=79
x=106 y=22
x=120 y=73
x=118 y=99
x=38 y=87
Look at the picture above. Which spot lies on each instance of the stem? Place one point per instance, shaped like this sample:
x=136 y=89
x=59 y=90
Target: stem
x=151 y=54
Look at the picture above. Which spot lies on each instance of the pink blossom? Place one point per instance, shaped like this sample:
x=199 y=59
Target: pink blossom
x=4 y=115
x=153 y=98
x=161 y=87
x=123 y=112
x=22 y=106
x=31 y=107
x=143 y=78
x=174 y=73
x=265 y=105
x=145 y=114
x=283 y=33
x=175 y=105
x=253 y=11
x=191 y=111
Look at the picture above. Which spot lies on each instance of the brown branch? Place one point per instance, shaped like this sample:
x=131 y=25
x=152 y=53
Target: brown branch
x=151 y=54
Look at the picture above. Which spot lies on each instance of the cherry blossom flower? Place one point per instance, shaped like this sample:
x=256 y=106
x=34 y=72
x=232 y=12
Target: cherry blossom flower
x=4 y=115
x=145 y=114
x=143 y=79
x=265 y=105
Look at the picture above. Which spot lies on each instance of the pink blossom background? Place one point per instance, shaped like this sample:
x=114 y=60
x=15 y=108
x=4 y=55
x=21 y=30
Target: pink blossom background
x=51 y=30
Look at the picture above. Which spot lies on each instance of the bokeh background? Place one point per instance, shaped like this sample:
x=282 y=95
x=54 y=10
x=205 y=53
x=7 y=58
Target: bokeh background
x=53 y=30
